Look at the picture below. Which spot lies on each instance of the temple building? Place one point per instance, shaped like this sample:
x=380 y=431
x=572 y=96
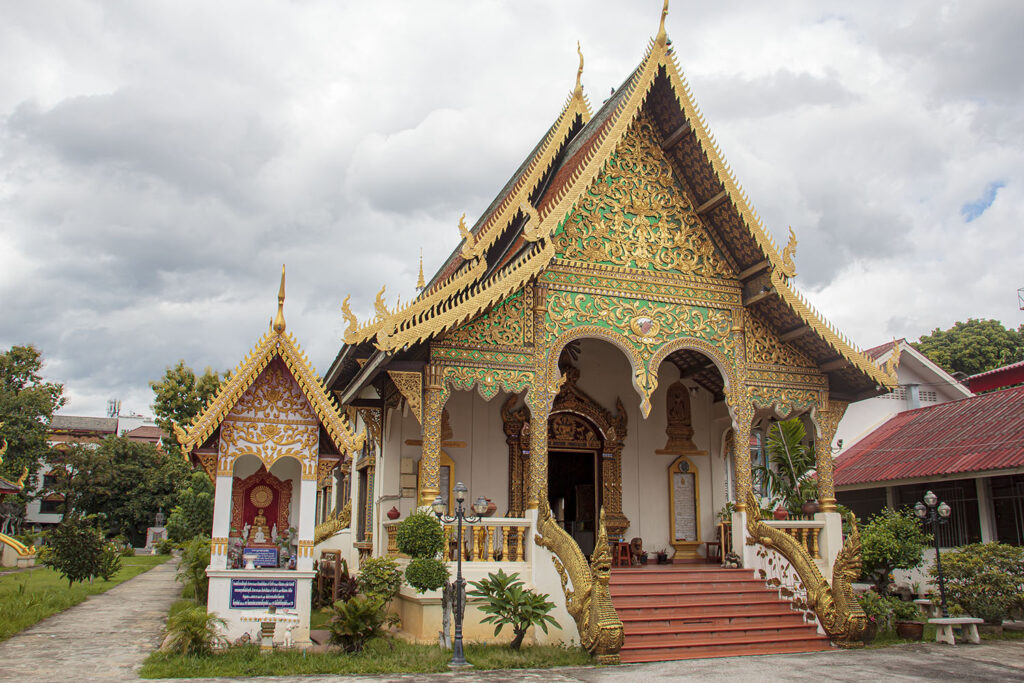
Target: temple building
x=600 y=358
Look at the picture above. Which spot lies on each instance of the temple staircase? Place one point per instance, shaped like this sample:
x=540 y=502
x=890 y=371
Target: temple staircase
x=688 y=611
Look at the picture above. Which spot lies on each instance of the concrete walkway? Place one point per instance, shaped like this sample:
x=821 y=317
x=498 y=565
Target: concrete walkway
x=105 y=638
x=990 y=661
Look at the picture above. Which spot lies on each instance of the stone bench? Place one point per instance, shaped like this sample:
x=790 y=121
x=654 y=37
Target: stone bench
x=944 y=630
x=928 y=607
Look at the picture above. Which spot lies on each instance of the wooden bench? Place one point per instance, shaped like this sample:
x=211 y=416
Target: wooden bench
x=944 y=630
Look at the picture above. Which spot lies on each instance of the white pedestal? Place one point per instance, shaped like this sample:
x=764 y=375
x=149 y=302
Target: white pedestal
x=220 y=598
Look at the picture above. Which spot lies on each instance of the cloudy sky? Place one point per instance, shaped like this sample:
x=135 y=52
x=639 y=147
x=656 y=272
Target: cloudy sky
x=160 y=160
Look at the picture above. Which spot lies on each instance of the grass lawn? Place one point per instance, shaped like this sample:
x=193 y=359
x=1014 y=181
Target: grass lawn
x=27 y=598
x=381 y=656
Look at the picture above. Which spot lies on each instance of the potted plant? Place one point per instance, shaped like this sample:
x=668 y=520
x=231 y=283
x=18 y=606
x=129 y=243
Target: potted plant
x=780 y=513
x=809 y=496
x=909 y=625
x=662 y=556
x=790 y=463
x=725 y=514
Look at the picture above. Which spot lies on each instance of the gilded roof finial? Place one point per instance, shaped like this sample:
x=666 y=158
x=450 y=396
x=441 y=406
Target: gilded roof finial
x=662 y=36
x=279 y=318
x=420 y=282
x=578 y=92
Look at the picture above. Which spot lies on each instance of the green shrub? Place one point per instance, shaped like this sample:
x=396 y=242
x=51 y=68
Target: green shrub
x=426 y=574
x=905 y=611
x=127 y=551
x=379 y=577
x=355 y=621
x=420 y=535
x=986 y=580
x=878 y=609
x=75 y=549
x=110 y=561
x=892 y=539
x=195 y=558
x=508 y=602
x=166 y=547
x=192 y=631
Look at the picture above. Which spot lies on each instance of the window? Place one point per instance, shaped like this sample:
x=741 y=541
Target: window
x=1008 y=508
x=964 y=524
x=51 y=507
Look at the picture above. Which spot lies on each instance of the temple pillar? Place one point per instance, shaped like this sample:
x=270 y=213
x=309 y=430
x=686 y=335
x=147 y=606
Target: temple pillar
x=826 y=421
x=435 y=396
x=742 y=423
x=539 y=400
x=221 y=520
x=307 y=523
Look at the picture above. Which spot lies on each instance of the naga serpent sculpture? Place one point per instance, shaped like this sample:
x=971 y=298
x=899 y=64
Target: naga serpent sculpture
x=588 y=602
x=838 y=611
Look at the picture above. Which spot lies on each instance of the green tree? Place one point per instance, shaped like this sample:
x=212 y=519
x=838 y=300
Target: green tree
x=75 y=548
x=893 y=539
x=179 y=396
x=27 y=404
x=193 y=514
x=126 y=481
x=973 y=346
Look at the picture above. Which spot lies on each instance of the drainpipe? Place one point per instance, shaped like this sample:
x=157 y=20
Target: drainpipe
x=913 y=396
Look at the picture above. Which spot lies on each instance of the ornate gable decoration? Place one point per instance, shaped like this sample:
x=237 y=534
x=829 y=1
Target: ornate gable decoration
x=281 y=391
x=508 y=324
x=635 y=215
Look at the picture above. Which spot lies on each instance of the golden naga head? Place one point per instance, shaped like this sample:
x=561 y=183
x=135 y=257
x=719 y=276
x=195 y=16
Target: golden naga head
x=469 y=248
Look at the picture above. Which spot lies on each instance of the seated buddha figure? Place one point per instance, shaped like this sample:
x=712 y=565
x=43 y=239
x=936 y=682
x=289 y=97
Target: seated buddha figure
x=260 y=530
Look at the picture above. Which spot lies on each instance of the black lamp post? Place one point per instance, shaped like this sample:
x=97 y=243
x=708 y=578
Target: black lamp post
x=460 y=516
x=931 y=511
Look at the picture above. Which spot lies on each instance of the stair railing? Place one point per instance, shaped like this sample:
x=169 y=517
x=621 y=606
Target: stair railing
x=588 y=601
x=834 y=605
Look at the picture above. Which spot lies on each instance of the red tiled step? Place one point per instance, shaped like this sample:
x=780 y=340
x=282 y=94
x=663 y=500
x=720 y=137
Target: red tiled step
x=783 y=616
x=697 y=598
x=720 y=649
x=646 y=635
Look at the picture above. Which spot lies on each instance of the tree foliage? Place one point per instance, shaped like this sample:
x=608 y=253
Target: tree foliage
x=179 y=396
x=126 y=481
x=893 y=539
x=985 y=580
x=974 y=346
x=508 y=602
x=193 y=514
x=379 y=577
x=27 y=404
x=75 y=548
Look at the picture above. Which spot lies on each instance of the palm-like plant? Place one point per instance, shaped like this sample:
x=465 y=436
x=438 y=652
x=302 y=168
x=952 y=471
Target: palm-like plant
x=789 y=464
x=509 y=602
x=191 y=631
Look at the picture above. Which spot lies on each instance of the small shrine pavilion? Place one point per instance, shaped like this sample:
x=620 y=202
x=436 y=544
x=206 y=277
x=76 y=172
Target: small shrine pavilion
x=266 y=440
x=601 y=357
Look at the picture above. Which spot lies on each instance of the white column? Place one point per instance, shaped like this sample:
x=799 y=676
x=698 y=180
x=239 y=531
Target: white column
x=221 y=521
x=307 y=519
x=985 y=516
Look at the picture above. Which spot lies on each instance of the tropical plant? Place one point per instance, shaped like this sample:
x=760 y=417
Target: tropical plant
x=192 y=514
x=509 y=602
x=891 y=540
x=110 y=561
x=905 y=611
x=986 y=580
x=420 y=535
x=195 y=558
x=75 y=548
x=379 y=577
x=789 y=463
x=353 y=622
x=166 y=547
x=191 y=631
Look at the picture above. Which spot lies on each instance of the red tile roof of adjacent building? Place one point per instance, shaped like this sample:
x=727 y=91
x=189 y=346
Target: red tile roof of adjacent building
x=145 y=433
x=999 y=377
x=974 y=434
x=876 y=352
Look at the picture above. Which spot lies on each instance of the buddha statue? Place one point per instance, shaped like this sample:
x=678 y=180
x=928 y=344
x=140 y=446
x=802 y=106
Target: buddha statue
x=260 y=530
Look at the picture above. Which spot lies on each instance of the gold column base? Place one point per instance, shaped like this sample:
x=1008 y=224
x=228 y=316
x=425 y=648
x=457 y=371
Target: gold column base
x=827 y=504
x=428 y=495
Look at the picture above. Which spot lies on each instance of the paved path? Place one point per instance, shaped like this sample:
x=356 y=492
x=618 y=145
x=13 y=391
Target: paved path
x=104 y=638
x=990 y=661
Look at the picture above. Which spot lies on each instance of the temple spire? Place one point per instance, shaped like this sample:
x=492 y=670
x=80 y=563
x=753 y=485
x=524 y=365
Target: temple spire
x=420 y=282
x=279 y=318
x=578 y=91
x=662 y=36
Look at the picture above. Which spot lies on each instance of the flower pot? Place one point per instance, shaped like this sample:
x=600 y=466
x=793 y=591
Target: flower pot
x=870 y=631
x=492 y=507
x=662 y=558
x=910 y=630
x=781 y=513
x=810 y=507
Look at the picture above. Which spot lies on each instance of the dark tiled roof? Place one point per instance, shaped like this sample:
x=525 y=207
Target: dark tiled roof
x=974 y=434
x=83 y=424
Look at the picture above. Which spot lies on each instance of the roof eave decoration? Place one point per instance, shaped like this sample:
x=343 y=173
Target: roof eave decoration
x=280 y=344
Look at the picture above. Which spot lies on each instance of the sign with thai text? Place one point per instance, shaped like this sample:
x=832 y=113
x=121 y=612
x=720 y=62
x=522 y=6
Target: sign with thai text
x=261 y=593
x=263 y=556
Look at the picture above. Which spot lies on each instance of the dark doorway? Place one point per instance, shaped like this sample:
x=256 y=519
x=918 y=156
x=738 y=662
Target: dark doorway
x=572 y=493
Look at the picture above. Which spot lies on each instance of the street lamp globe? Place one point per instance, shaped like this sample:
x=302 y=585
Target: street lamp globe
x=438 y=506
x=460 y=492
x=930 y=499
x=920 y=510
x=944 y=510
